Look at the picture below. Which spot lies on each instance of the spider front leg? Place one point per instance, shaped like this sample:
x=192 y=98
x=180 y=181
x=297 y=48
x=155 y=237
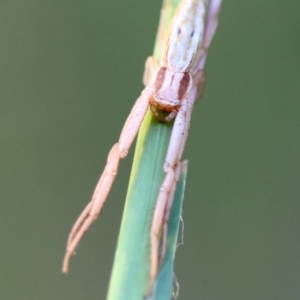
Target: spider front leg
x=118 y=151
x=172 y=168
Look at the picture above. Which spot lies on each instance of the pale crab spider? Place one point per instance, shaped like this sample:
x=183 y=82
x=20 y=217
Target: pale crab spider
x=174 y=86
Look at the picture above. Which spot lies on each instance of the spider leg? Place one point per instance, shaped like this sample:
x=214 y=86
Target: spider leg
x=118 y=151
x=172 y=167
x=168 y=208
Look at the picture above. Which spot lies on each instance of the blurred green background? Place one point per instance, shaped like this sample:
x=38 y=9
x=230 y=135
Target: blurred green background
x=70 y=72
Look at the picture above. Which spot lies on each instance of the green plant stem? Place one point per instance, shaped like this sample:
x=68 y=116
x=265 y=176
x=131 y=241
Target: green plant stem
x=130 y=274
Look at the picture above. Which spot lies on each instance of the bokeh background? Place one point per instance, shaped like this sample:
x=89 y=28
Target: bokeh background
x=70 y=72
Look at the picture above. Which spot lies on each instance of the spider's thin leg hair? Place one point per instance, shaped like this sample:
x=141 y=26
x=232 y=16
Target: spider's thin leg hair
x=118 y=151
